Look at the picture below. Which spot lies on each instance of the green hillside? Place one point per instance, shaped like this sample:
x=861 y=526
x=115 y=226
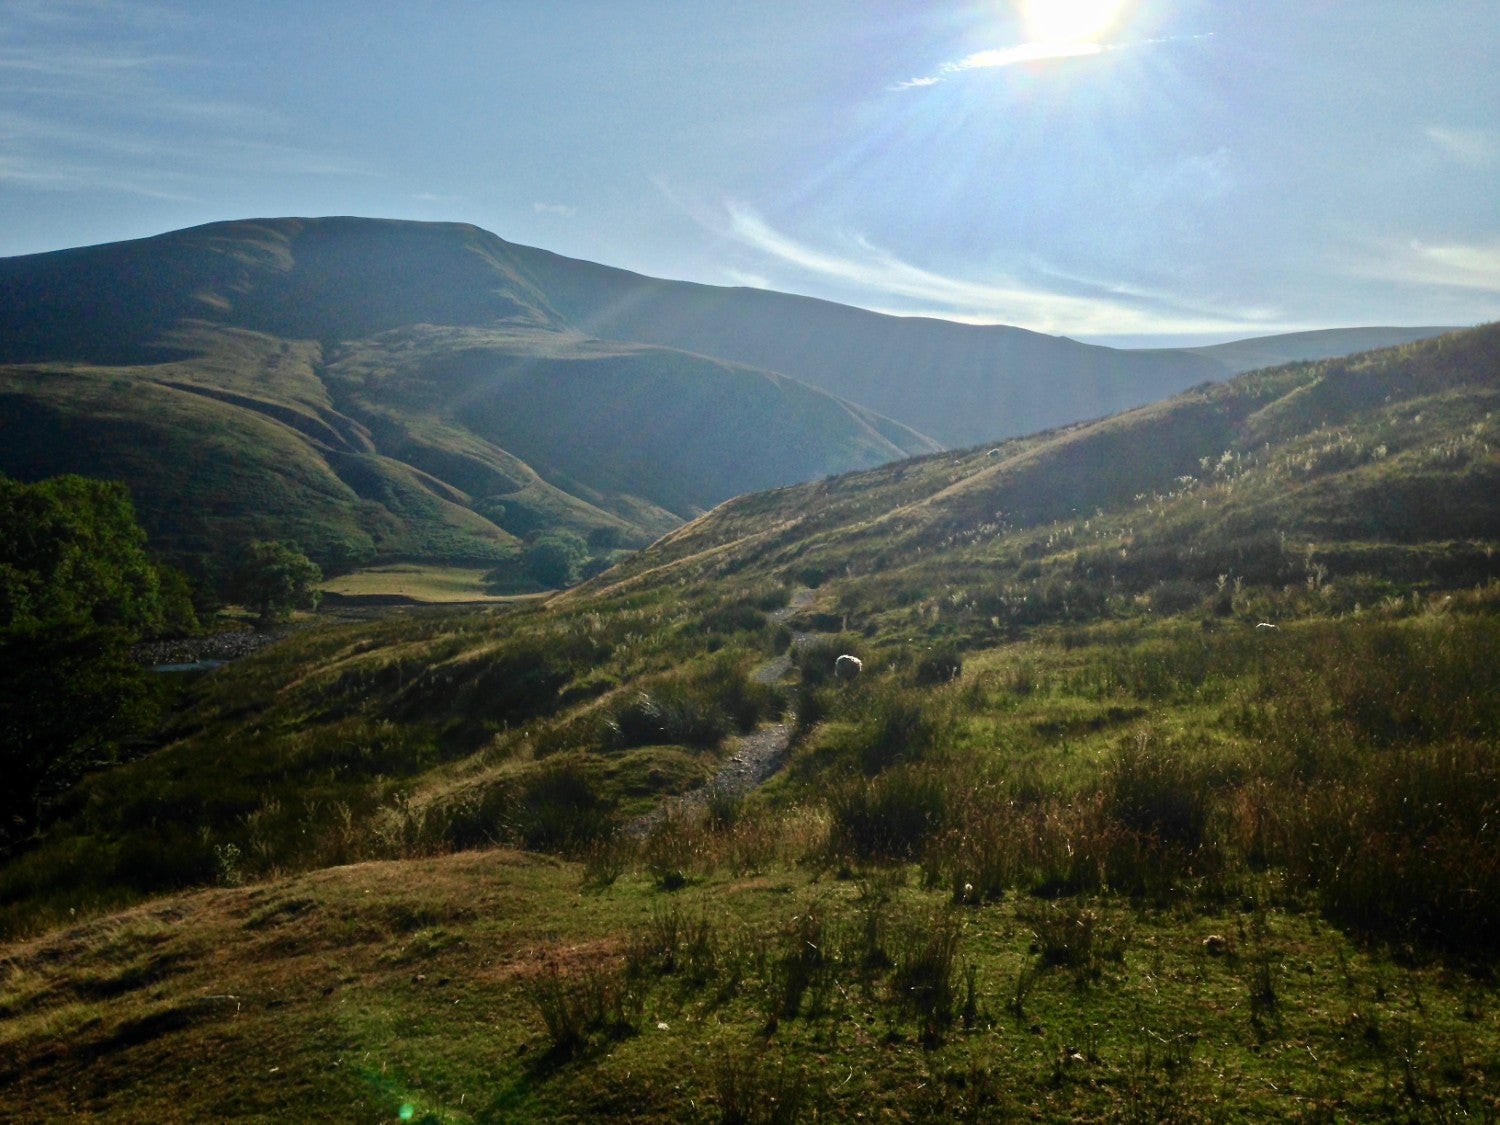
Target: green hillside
x=1328 y=343
x=1168 y=791
x=379 y=391
x=959 y=383
x=1378 y=465
x=384 y=391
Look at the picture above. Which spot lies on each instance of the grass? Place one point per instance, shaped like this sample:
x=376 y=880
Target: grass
x=1104 y=830
x=482 y=986
x=414 y=582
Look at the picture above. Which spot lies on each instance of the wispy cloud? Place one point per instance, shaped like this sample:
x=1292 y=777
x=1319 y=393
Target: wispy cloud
x=1035 y=52
x=885 y=282
x=68 y=175
x=1006 y=56
x=1473 y=266
x=562 y=210
x=1464 y=265
x=44 y=154
x=1475 y=147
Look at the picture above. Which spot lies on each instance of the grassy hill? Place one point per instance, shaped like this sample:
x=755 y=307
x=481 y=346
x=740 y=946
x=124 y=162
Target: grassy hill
x=380 y=391
x=1329 y=343
x=1168 y=792
x=960 y=383
x=383 y=391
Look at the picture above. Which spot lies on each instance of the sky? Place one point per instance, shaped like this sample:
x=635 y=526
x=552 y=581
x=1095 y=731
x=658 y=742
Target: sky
x=1119 y=171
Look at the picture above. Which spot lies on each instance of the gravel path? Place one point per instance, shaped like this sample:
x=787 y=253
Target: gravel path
x=758 y=755
x=756 y=758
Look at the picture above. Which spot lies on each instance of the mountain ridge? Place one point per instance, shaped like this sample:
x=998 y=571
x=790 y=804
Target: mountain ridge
x=353 y=349
x=432 y=391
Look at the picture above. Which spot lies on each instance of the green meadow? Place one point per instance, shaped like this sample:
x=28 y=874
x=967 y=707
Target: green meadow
x=1169 y=791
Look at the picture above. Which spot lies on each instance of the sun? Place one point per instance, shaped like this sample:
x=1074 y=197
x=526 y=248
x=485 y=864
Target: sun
x=1069 y=22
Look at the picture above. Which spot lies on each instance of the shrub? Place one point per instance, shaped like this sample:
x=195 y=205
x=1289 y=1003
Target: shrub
x=802 y=960
x=1077 y=938
x=938 y=666
x=1158 y=793
x=574 y=1009
x=553 y=560
x=700 y=709
x=558 y=808
x=758 y=1089
x=925 y=976
x=666 y=715
x=888 y=817
x=901 y=728
x=1405 y=850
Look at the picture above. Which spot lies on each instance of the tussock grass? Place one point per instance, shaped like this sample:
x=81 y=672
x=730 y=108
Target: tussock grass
x=1079 y=785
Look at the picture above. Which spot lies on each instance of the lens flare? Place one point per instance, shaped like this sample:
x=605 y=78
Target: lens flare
x=1060 y=22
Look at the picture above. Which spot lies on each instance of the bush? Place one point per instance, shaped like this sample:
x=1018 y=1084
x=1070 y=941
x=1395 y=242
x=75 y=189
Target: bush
x=938 y=666
x=901 y=728
x=558 y=808
x=1157 y=793
x=1076 y=938
x=577 y=1008
x=1405 y=850
x=554 y=559
x=888 y=817
x=700 y=709
x=70 y=699
x=925 y=977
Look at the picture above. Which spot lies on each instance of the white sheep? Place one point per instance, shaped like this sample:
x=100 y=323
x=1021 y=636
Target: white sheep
x=847 y=667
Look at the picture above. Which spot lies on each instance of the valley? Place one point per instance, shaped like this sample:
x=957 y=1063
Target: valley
x=1168 y=792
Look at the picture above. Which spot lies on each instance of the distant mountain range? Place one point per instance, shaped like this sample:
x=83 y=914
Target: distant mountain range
x=378 y=389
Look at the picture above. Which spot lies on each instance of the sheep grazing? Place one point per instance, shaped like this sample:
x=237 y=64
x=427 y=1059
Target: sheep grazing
x=847 y=667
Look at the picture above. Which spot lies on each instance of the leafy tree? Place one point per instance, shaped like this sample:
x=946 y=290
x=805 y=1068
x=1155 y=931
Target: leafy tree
x=70 y=699
x=70 y=549
x=76 y=589
x=275 y=578
x=554 y=559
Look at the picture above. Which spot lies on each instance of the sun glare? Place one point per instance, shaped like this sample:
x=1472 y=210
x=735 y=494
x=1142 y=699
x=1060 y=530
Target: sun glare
x=1069 y=22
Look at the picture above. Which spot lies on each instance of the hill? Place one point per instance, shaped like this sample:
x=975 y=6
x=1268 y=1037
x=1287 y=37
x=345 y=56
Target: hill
x=385 y=391
x=1329 y=343
x=962 y=384
x=1381 y=460
x=1168 y=791
x=379 y=391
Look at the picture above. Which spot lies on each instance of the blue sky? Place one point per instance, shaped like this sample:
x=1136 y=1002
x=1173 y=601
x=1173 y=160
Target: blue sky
x=1115 y=170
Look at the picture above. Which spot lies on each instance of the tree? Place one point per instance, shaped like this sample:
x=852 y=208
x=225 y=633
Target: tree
x=554 y=559
x=275 y=578
x=70 y=699
x=71 y=549
x=76 y=590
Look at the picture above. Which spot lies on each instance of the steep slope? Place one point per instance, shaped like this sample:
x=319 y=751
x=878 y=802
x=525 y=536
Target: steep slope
x=380 y=390
x=1294 y=347
x=960 y=383
x=1378 y=468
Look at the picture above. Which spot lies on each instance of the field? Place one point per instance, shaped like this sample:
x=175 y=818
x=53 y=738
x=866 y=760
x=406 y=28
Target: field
x=431 y=585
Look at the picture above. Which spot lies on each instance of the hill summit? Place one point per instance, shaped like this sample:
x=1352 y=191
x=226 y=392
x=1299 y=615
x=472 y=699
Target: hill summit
x=381 y=389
